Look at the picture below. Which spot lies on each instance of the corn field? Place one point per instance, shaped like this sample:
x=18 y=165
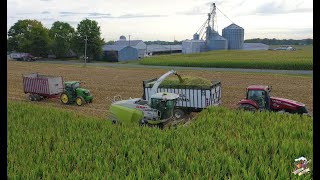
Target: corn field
x=50 y=143
x=300 y=59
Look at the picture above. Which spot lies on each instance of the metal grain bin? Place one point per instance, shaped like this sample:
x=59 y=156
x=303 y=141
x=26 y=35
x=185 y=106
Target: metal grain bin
x=235 y=36
x=216 y=42
x=193 y=46
x=196 y=36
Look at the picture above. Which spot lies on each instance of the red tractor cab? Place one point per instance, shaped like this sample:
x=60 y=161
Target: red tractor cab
x=258 y=98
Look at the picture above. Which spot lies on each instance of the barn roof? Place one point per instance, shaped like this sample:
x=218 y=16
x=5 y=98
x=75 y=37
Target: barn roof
x=126 y=43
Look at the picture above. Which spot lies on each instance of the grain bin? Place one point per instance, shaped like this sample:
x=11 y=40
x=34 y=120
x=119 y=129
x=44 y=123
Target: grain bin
x=216 y=42
x=235 y=36
x=193 y=46
x=196 y=36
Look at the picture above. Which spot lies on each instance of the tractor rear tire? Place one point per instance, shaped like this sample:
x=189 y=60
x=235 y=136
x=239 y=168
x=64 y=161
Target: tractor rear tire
x=178 y=114
x=64 y=98
x=247 y=107
x=80 y=101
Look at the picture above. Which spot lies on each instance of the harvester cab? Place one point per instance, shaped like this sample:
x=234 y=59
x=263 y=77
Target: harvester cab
x=74 y=93
x=164 y=103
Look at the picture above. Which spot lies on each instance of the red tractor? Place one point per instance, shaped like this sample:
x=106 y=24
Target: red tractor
x=258 y=98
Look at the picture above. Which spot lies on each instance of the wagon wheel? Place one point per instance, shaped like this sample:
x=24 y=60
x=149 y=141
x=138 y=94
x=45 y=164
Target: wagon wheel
x=64 y=98
x=247 y=107
x=31 y=97
x=80 y=101
x=36 y=97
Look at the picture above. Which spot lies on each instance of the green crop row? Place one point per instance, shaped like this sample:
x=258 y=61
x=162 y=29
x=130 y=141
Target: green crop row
x=50 y=143
x=285 y=60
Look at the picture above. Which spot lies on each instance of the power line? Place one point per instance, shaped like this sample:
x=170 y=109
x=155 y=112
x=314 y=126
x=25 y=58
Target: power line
x=225 y=15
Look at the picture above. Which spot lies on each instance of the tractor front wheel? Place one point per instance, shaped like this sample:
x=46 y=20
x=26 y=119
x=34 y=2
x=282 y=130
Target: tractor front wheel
x=80 y=101
x=64 y=98
x=247 y=107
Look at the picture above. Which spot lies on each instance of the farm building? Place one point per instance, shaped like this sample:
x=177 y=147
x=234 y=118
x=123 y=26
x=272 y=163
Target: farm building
x=154 y=49
x=138 y=44
x=116 y=53
x=255 y=46
x=193 y=46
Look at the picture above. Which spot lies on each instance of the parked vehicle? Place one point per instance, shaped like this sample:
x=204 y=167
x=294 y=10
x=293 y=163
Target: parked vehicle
x=22 y=57
x=258 y=97
x=285 y=48
x=190 y=99
x=42 y=87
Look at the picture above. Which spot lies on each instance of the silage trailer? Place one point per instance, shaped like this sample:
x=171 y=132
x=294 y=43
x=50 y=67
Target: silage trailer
x=191 y=99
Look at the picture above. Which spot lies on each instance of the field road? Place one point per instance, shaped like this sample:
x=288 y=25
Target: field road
x=297 y=72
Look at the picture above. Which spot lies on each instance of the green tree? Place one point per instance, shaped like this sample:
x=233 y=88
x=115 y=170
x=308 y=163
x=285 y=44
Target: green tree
x=61 y=34
x=91 y=30
x=28 y=36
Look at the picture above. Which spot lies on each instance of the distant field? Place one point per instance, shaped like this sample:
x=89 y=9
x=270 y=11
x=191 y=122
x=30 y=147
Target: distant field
x=50 y=143
x=301 y=59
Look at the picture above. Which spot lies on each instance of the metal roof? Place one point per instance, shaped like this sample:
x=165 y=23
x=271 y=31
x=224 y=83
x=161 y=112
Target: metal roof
x=113 y=47
x=216 y=36
x=255 y=46
x=257 y=87
x=159 y=48
x=233 y=26
x=126 y=43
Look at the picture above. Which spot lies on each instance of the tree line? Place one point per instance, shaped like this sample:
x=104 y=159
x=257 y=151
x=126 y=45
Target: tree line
x=280 y=41
x=61 y=39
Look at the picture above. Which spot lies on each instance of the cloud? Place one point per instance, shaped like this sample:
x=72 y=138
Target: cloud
x=271 y=8
x=45 y=0
x=45 y=12
x=139 y=16
x=99 y=14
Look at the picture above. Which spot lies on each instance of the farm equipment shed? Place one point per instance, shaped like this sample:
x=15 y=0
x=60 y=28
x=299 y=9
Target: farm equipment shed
x=116 y=53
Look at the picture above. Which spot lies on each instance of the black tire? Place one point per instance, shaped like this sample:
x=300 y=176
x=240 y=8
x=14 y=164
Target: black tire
x=31 y=97
x=36 y=97
x=178 y=114
x=247 y=107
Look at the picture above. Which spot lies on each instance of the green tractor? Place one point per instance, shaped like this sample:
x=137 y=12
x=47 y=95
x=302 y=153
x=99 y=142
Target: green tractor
x=74 y=93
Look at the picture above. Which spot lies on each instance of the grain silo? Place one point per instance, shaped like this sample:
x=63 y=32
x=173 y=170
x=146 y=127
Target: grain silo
x=235 y=36
x=193 y=46
x=196 y=36
x=216 y=42
x=122 y=38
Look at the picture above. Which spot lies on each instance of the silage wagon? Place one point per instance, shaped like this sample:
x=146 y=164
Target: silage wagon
x=42 y=86
x=191 y=98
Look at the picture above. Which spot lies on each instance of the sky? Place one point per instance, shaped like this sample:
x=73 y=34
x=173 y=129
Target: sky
x=170 y=20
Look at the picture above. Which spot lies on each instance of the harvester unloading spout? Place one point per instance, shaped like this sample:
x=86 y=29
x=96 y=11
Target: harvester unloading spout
x=159 y=81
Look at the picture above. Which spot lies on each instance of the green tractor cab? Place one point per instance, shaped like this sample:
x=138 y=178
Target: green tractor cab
x=73 y=93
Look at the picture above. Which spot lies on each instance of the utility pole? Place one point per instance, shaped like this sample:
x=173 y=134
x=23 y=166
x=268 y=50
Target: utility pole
x=129 y=40
x=85 y=50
